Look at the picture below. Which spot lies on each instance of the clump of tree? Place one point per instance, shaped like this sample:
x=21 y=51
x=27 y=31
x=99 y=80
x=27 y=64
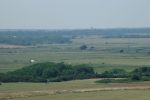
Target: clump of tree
x=57 y=72
x=142 y=73
x=114 y=73
x=139 y=74
x=121 y=51
x=83 y=47
x=48 y=72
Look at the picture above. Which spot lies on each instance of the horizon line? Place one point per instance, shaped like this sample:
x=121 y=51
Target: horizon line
x=92 y=28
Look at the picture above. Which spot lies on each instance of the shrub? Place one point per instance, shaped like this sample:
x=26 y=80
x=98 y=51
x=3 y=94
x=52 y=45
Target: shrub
x=136 y=77
x=114 y=73
x=142 y=73
x=83 y=47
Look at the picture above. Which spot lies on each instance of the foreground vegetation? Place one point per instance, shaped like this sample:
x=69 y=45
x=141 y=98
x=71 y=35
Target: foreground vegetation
x=139 y=74
x=48 y=72
x=57 y=72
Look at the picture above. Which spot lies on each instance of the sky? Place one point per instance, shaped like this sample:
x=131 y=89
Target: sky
x=73 y=14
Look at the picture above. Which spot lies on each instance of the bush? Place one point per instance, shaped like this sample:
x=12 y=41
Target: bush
x=83 y=47
x=121 y=51
x=139 y=74
x=142 y=73
x=146 y=78
x=114 y=73
x=136 y=77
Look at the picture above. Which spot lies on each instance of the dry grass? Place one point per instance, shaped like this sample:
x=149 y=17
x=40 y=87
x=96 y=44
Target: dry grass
x=10 y=46
x=98 y=95
x=30 y=90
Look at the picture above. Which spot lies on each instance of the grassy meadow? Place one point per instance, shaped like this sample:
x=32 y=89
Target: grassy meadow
x=75 y=90
x=104 y=56
x=103 y=95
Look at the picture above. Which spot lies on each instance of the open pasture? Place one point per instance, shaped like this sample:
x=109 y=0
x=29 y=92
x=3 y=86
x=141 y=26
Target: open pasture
x=104 y=55
x=72 y=90
x=103 y=95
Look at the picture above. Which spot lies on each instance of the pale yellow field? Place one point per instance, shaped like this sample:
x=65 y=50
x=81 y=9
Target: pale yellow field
x=69 y=90
x=99 y=95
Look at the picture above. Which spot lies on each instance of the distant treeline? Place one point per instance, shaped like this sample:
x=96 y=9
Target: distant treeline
x=23 y=37
x=129 y=36
x=33 y=37
x=57 y=72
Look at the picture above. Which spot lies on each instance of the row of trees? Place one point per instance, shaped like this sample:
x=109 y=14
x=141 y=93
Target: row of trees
x=48 y=72
x=139 y=74
x=56 y=72
x=142 y=73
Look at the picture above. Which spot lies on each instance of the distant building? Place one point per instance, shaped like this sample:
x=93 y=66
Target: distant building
x=32 y=61
x=14 y=36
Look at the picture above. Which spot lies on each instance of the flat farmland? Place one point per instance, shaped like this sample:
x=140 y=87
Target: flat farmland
x=73 y=90
x=104 y=55
x=103 y=95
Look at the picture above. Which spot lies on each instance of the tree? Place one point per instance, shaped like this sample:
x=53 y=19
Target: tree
x=121 y=51
x=141 y=73
x=115 y=73
x=136 y=77
x=83 y=47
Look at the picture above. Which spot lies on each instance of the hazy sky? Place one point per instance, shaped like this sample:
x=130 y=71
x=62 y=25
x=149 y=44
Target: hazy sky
x=60 y=14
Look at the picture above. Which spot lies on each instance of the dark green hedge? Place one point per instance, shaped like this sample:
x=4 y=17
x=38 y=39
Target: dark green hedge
x=48 y=72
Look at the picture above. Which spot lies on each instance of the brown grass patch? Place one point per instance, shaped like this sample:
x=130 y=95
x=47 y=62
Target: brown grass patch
x=6 y=96
x=5 y=46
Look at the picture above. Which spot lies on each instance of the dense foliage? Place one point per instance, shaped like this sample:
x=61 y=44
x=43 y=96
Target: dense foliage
x=114 y=73
x=142 y=73
x=139 y=74
x=56 y=72
x=48 y=72
x=83 y=47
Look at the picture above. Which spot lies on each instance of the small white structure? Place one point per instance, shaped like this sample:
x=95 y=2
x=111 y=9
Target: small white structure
x=32 y=61
x=14 y=36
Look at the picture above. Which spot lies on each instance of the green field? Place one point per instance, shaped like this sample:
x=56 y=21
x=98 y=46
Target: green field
x=105 y=55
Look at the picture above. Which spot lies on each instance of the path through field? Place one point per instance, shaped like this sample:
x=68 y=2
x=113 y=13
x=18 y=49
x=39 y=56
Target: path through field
x=9 y=96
